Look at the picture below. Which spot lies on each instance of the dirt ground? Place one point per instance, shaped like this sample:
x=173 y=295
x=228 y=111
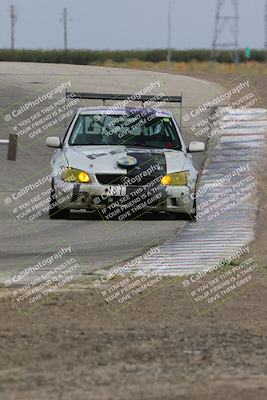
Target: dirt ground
x=259 y=82
x=157 y=348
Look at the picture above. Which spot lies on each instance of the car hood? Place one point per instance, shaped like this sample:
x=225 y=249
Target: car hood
x=104 y=159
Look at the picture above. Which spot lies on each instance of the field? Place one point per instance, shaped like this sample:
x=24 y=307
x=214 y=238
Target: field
x=222 y=73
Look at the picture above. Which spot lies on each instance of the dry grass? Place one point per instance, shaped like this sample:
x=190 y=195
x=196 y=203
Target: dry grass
x=249 y=68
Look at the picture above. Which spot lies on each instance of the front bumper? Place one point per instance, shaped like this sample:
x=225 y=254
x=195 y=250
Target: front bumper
x=178 y=199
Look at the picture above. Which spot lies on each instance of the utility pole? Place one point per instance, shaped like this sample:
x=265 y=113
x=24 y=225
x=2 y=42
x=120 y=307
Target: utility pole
x=169 y=56
x=265 y=43
x=222 y=21
x=13 y=20
x=65 y=25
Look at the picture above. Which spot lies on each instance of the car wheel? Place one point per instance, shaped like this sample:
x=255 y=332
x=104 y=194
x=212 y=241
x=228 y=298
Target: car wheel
x=193 y=215
x=54 y=211
x=189 y=217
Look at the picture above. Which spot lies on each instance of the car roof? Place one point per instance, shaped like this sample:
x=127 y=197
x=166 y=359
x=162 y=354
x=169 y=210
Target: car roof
x=111 y=111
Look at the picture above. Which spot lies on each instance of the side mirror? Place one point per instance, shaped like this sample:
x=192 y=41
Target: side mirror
x=53 y=141
x=196 y=147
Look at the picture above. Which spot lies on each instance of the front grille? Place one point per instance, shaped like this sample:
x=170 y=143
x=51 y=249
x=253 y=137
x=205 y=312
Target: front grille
x=115 y=179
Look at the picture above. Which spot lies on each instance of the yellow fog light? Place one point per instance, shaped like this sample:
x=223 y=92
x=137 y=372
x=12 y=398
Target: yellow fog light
x=175 y=179
x=166 y=180
x=75 y=175
x=84 y=177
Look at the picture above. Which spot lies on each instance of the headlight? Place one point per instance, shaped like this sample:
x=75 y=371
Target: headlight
x=75 y=175
x=175 y=179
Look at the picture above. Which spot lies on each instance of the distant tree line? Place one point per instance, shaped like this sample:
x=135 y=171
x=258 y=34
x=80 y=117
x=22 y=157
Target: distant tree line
x=85 y=57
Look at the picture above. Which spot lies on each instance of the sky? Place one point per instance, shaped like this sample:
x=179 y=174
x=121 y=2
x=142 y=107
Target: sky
x=125 y=24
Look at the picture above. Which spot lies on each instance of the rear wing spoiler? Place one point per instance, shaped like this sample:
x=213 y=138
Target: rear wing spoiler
x=130 y=97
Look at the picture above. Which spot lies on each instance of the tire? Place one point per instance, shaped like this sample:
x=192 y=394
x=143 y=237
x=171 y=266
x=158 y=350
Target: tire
x=54 y=211
x=189 y=217
x=193 y=215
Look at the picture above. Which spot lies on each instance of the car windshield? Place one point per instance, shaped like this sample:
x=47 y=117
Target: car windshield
x=143 y=129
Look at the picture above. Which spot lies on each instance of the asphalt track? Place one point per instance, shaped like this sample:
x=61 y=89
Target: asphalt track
x=97 y=244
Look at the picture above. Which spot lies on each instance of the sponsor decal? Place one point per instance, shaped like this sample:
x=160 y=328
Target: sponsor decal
x=127 y=161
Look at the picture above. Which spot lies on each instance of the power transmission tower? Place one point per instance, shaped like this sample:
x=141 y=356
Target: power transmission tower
x=65 y=26
x=13 y=20
x=169 y=55
x=222 y=22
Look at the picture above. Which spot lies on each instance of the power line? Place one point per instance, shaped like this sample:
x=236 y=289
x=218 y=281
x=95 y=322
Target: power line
x=221 y=23
x=13 y=20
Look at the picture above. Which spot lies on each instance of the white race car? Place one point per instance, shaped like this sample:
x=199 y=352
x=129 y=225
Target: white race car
x=123 y=162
